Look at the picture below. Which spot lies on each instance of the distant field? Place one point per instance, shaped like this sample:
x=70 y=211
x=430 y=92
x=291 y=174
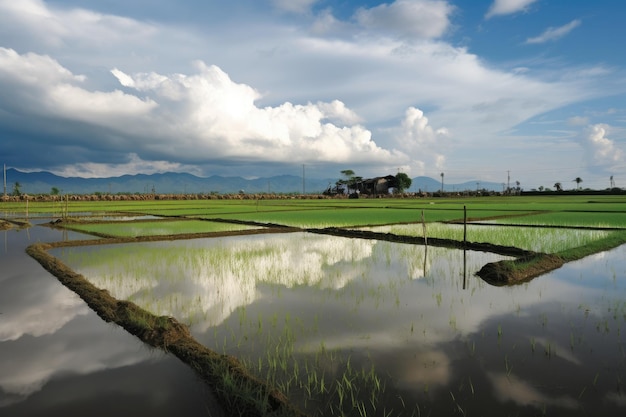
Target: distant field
x=591 y=211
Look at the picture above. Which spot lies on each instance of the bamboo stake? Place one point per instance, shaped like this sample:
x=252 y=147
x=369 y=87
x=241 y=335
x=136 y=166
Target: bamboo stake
x=464 y=226
x=424 y=229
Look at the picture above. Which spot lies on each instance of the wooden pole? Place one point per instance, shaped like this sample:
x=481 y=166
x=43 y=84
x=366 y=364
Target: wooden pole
x=425 y=243
x=464 y=268
x=464 y=226
x=424 y=229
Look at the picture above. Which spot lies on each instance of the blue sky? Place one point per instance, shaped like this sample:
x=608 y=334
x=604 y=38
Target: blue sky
x=531 y=90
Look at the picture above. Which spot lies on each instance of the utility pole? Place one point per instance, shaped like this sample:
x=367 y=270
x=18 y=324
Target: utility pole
x=508 y=181
x=303 y=190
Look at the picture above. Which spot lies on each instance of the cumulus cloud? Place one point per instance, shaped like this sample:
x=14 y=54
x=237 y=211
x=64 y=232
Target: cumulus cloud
x=423 y=143
x=412 y=18
x=206 y=114
x=552 y=33
x=601 y=151
x=218 y=116
x=337 y=111
x=42 y=85
x=315 y=87
x=505 y=7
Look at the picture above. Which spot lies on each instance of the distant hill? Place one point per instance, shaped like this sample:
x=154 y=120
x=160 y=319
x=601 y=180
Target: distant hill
x=181 y=183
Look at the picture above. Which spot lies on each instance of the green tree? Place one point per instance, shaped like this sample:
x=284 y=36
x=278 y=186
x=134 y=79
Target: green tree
x=55 y=191
x=578 y=180
x=348 y=173
x=403 y=181
x=557 y=186
x=17 y=189
x=350 y=180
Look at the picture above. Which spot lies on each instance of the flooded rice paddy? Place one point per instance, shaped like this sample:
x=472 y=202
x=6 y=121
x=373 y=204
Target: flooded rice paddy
x=365 y=327
x=538 y=239
x=58 y=358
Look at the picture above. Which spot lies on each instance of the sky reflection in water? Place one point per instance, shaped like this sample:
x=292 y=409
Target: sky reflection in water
x=58 y=358
x=441 y=344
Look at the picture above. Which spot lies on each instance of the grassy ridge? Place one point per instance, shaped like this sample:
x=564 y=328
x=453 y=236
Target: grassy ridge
x=241 y=393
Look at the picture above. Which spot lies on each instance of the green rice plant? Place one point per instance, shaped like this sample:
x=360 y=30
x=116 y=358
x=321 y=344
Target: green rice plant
x=154 y=228
x=545 y=240
x=572 y=219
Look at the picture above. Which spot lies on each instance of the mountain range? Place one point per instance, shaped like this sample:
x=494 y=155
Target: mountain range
x=43 y=182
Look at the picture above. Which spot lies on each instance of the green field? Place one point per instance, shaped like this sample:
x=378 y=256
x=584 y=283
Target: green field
x=156 y=228
x=595 y=211
x=579 y=218
x=343 y=307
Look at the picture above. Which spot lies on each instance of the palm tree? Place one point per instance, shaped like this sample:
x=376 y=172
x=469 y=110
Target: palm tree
x=558 y=186
x=442 y=182
x=578 y=180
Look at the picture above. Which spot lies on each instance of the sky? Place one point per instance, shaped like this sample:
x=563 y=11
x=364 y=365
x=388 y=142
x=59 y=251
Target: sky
x=506 y=91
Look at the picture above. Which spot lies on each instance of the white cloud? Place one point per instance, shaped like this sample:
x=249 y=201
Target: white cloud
x=601 y=150
x=337 y=111
x=206 y=113
x=219 y=117
x=578 y=121
x=45 y=86
x=303 y=83
x=504 y=7
x=133 y=165
x=509 y=388
x=294 y=6
x=423 y=143
x=55 y=27
x=31 y=69
x=413 y=18
x=552 y=33
x=325 y=23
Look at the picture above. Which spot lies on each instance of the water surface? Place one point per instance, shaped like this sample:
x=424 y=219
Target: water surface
x=58 y=358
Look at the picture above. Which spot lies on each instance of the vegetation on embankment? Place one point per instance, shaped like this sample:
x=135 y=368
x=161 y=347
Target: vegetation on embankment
x=240 y=392
x=520 y=270
x=609 y=242
x=525 y=268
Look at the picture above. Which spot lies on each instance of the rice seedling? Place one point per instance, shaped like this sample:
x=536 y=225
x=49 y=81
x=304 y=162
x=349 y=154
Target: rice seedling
x=301 y=311
x=545 y=240
x=154 y=228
